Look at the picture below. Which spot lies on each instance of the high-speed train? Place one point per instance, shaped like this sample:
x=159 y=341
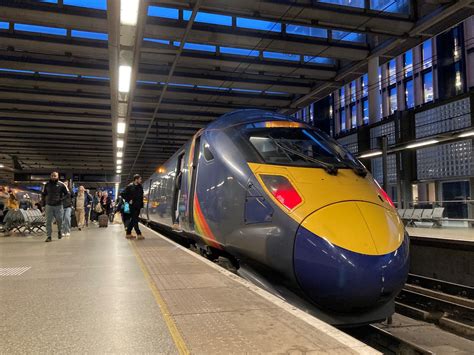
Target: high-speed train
x=265 y=188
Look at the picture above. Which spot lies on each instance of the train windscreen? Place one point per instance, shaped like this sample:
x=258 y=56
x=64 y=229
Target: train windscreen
x=298 y=145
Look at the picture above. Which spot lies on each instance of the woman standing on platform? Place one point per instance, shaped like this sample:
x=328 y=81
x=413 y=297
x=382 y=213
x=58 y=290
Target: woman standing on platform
x=82 y=200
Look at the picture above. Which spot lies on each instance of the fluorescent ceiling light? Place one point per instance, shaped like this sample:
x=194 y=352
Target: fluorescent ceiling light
x=125 y=75
x=371 y=154
x=2 y=166
x=121 y=127
x=466 y=134
x=129 y=12
x=119 y=171
x=422 y=144
x=119 y=161
x=119 y=143
x=119 y=154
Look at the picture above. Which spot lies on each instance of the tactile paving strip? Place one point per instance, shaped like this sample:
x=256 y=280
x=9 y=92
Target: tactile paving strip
x=13 y=271
x=216 y=314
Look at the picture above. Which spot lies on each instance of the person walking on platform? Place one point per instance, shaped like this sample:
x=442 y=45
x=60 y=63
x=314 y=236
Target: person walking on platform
x=133 y=195
x=67 y=212
x=82 y=200
x=53 y=194
x=88 y=207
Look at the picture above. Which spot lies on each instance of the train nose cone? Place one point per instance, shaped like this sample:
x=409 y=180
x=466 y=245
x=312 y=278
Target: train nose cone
x=350 y=255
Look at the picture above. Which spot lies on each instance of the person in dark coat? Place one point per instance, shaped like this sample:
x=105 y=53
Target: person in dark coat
x=133 y=195
x=53 y=194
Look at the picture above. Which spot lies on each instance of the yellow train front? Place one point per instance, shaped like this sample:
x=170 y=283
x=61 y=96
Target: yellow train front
x=281 y=195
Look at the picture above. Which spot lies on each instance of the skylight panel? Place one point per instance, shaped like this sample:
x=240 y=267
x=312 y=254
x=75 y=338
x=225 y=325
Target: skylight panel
x=239 y=51
x=4 y=25
x=40 y=29
x=200 y=47
x=90 y=4
x=258 y=24
x=162 y=41
x=348 y=36
x=165 y=12
x=17 y=71
x=205 y=17
x=306 y=31
x=90 y=35
x=58 y=74
x=283 y=56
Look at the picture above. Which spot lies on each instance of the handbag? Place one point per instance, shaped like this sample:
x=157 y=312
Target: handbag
x=98 y=208
x=126 y=207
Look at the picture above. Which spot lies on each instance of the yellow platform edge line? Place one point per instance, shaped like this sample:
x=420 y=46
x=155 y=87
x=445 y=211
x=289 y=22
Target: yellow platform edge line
x=170 y=323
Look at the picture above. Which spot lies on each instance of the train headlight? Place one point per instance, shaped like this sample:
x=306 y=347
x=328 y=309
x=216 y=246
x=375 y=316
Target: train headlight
x=282 y=190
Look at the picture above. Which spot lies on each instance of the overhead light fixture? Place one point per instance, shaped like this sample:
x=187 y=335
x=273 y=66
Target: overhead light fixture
x=119 y=161
x=371 y=154
x=119 y=171
x=119 y=154
x=119 y=143
x=422 y=144
x=129 y=12
x=121 y=127
x=125 y=76
x=466 y=134
x=2 y=166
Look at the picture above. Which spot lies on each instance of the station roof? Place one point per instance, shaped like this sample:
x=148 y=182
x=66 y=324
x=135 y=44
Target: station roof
x=191 y=61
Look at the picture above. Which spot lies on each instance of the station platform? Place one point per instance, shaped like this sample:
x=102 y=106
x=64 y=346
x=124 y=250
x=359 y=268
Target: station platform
x=453 y=234
x=97 y=292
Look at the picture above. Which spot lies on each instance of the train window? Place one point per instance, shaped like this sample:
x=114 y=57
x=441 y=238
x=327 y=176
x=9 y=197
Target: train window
x=298 y=146
x=207 y=152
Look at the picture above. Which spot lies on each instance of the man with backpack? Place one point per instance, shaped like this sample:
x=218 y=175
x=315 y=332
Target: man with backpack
x=133 y=196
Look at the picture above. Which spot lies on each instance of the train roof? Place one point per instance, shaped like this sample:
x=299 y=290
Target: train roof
x=246 y=116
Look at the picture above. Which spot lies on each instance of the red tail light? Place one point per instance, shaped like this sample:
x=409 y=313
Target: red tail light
x=282 y=190
x=385 y=196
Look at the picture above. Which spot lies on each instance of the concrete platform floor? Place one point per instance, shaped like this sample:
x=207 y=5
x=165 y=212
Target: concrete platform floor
x=96 y=292
x=82 y=294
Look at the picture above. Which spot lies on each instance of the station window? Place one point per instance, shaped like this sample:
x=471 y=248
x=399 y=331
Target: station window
x=353 y=116
x=365 y=111
x=318 y=60
x=408 y=63
x=364 y=83
x=428 y=86
x=392 y=93
x=342 y=97
x=348 y=36
x=392 y=72
x=352 y=88
x=458 y=78
x=409 y=94
x=342 y=116
x=239 y=51
x=398 y=6
x=4 y=25
x=427 y=54
x=90 y=35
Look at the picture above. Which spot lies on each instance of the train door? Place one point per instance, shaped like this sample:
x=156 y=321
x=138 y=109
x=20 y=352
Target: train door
x=177 y=189
x=194 y=170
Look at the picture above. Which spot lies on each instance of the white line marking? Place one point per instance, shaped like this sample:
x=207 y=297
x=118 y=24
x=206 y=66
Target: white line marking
x=328 y=329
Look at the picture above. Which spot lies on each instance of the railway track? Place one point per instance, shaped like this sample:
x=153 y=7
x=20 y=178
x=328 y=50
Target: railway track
x=385 y=341
x=449 y=305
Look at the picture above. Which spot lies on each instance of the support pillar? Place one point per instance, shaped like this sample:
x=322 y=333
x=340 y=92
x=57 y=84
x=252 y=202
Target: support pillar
x=374 y=97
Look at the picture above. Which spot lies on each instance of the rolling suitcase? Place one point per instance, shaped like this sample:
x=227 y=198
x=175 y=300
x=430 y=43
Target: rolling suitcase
x=103 y=221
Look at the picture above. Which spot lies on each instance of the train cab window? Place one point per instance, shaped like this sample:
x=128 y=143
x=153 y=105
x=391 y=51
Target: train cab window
x=206 y=151
x=300 y=146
